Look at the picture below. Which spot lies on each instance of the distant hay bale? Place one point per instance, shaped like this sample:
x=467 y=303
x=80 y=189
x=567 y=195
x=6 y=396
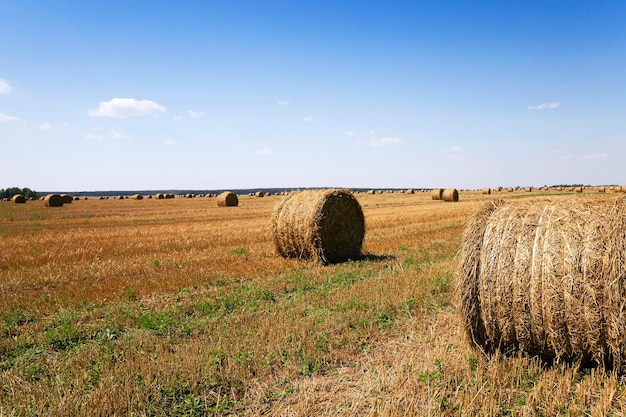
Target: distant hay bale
x=227 y=199
x=371 y=192
x=67 y=199
x=327 y=225
x=259 y=194
x=18 y=199
x=53 y=200
x=602 y=189
x=160 y=196
x=547 y=278
x=137 y=197
x=436 y=194
x=169 y=196
x=410 y=191
x=578 y=189
x=486 y=190
x=529 y=189
x=509 y=190
x=450 y=194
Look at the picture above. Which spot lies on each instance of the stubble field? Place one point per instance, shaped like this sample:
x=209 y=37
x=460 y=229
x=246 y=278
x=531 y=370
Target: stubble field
x=179 y=307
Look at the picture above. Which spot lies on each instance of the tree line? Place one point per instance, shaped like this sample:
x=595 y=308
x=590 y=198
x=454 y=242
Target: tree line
x=10 y=192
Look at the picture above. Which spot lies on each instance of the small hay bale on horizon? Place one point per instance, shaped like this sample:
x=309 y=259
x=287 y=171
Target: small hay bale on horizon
x=227 y=199
x=67 y=199
x=436 y=193
x=18 y=199
x=547 y=278
x=137 y=197
x=450 y=194
x=53 y=200
x=326 y=225
x=259 y=194
x=486 y=190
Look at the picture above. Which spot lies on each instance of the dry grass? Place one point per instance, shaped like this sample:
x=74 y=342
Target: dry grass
x=182 y=308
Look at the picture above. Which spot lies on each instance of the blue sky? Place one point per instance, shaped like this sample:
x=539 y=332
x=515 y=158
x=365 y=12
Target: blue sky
x=138 y=95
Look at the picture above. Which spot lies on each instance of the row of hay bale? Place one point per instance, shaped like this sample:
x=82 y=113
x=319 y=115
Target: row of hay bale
x=448 y=194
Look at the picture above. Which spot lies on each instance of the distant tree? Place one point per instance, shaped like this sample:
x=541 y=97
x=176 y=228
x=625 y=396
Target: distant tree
x=10 y=192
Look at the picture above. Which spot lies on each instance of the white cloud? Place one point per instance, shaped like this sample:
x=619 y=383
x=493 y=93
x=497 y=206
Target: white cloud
x=593 y=156
x=122 y=108
x=349 y=133
x=195 y=114
x=45 y=126
x=170 y=142
x=376 y=142
x=177 y=118
x=544 y=106
x=113 y=134
x=4 y=86
x=5 y=118
x=283 y=103
x=452 y=153
x=308 y=119
x=264 y=151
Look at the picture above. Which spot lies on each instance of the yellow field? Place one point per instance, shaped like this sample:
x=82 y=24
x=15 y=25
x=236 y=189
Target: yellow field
x=179 y=307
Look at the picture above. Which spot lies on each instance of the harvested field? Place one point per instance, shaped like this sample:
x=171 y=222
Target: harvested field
x=180 y=307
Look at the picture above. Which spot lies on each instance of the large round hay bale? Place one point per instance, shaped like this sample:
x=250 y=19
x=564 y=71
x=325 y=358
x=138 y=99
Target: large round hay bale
x=67 y=199
x=547 y=278
x=53 y=200
x=436 y=194
x=486 y=190
x=137 y=197
x=259 y=194
x=18 y=199
x=227 y=199
x=450 y=194
x=327 y=225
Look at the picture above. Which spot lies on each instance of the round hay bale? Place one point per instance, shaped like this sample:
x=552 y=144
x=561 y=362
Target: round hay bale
x=137 y=197
x=53 y=200
x=259 y=194
x=578 y=189
x=436 y=194
x=529 y=189
x=450 y=194
x=160 y=196
x=227 y=199
x=327 y=225
x=67 y=199
x=486 y=190
x=547 y=278
x=169 y=196
x=18 y=199
x=602 y=189
x=410 y=191
x=371 y=192
x=509 y=190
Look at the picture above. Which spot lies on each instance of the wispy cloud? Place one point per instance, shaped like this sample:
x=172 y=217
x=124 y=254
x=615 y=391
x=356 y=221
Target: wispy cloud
x=195 y=114
x=113 y=134
x=4 y=86
x=264 y=151
x=5 y=118
x=170 y=142
x=545 y=106
x=380 y=142
x=601 y=155
x=122 y=108
x=349 y=133
x=45 y=126
x=452 y=153
x=283 y=103
x=308 y=119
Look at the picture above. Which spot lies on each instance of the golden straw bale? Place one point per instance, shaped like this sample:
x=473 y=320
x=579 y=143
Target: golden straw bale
x=18 y=199
x=450 y=194
x=578 y=189
x=327 y=225
x=486 y=190
x=602 y=189
x=227 y=199
x=547 y=278
x=137 y=197
x=53 y=200
x=67 y=199
x=436 y=193
x=259 y=194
